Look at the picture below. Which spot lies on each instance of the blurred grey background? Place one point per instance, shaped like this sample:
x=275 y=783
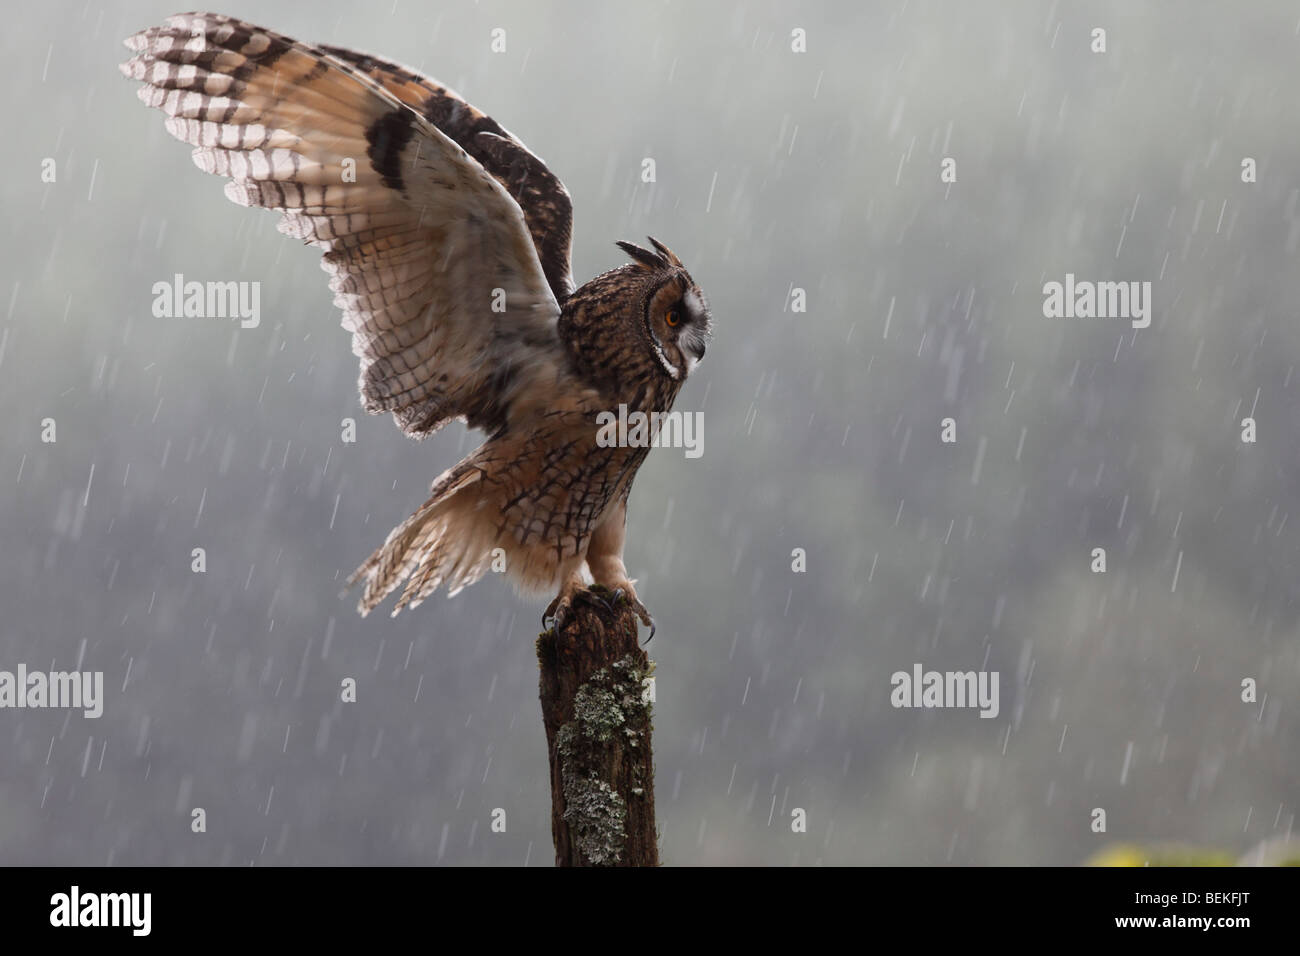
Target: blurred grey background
x=775 y=170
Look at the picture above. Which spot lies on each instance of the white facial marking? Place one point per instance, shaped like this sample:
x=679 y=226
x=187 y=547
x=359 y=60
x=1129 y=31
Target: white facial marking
x=693 y=304
x=663 y=360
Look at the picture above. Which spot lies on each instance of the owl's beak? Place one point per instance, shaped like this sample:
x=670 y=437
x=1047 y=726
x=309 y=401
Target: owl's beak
x=693 y=341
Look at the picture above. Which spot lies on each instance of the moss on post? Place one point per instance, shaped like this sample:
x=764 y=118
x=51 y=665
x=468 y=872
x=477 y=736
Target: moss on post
x=598 y=733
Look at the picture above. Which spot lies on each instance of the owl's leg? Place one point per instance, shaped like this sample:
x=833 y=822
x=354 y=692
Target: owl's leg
x=558 y=611
x=605 y=559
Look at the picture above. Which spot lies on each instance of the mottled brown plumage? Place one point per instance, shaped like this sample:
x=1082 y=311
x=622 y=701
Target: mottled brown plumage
x=448 y=243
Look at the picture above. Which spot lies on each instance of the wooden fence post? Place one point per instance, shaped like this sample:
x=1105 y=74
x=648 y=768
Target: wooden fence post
x=596 y=707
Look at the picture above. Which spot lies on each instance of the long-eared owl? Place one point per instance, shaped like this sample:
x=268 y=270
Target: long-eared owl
x=448 y=245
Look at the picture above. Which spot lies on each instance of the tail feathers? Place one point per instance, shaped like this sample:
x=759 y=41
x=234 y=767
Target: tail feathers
x=446 y=542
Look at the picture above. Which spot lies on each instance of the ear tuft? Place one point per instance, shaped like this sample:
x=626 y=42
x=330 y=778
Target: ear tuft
x=644 y=257
x=665 y=252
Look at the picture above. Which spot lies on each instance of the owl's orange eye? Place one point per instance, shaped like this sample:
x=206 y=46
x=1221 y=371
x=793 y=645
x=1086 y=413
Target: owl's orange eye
x=672 y=318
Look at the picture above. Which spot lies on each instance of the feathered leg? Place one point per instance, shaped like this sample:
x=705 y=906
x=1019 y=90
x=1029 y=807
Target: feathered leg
x=605 y=559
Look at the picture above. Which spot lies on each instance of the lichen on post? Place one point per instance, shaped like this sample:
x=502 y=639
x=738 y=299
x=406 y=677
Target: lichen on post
x=597 y=714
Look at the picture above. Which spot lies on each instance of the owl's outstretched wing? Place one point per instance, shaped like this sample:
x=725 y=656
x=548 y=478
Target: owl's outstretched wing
x=431 y=259
x=547 y=207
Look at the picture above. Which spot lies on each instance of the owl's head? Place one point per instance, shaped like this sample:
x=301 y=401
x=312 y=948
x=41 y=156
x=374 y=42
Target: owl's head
x=674 y=313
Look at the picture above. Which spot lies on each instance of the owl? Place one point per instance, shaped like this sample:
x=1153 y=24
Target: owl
x=447 y=243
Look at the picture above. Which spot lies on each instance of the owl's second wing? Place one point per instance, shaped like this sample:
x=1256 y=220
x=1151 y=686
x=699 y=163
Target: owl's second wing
x=548 y=210
x=432 y=262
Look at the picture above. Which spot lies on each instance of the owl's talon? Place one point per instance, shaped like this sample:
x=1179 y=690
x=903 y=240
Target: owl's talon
x=596 y=597
x=556 y=613
x=611 y=602
x=620 y=595
x=640 y=611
